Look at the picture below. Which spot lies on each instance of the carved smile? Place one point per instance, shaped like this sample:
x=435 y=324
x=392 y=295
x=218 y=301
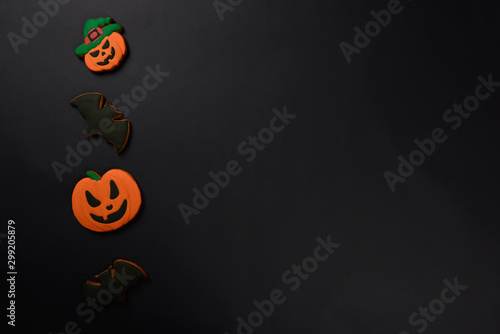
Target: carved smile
x=117 y=215
x=106 y=61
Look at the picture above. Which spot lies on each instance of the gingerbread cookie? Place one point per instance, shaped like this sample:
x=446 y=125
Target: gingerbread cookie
x=106 y=203
x=104 y=47
x=113 y=282
x=102 y=119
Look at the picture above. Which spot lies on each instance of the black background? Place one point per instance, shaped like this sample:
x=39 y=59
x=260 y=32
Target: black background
x=323 y=175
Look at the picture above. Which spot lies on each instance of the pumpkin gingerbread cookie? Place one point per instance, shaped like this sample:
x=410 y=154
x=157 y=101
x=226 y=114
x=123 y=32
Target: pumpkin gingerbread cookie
x=104 y=47
x=106 y=203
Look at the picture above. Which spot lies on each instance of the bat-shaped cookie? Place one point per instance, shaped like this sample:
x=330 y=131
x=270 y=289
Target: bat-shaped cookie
x=116 y=279
x=102 y=119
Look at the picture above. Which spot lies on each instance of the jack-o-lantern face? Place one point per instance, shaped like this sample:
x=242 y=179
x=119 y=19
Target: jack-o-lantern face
x=108 y=54
x=106 y=203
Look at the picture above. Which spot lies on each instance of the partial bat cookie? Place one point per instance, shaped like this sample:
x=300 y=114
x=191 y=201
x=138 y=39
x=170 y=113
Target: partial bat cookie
x=102 y=119
x=112 y=284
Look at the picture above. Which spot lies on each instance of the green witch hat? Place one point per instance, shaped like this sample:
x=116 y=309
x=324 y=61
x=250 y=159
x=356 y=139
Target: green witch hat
x=94 y=32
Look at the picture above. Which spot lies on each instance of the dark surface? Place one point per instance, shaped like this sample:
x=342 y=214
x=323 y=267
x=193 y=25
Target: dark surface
x=322 y=175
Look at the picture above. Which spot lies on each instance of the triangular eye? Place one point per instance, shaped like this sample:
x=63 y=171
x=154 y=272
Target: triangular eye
x=94 y=54
x=106 y=45
x=114 y=190
x=93 y=202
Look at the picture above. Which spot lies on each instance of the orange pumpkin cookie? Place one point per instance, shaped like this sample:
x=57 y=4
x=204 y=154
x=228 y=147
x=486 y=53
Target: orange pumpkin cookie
x=106 y=203
x=104 y=47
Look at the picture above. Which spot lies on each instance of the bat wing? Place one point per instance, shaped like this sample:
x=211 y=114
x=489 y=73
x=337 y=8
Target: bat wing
x=87 y=103
x=130 y=268
x=118 y=134
x=91 y=289
x=131 y=272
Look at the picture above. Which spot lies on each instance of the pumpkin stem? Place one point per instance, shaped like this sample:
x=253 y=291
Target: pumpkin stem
x=93 y=175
